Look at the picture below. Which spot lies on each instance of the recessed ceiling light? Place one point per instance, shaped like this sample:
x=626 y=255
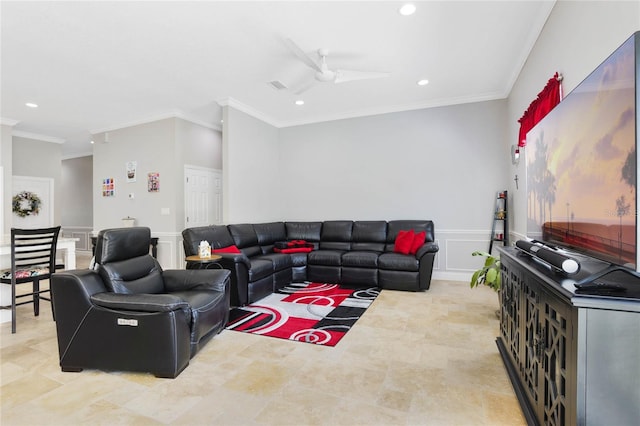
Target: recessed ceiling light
x=299 y=102
x=31 y=105
x=423 y=82
x=92 y=142
x=407 y=9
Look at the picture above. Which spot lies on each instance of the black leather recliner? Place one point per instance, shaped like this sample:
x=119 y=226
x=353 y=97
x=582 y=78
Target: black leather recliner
x=130 y=315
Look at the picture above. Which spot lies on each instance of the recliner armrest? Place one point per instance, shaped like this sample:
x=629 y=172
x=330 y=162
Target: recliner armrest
x=201 y=279
x=139 y=302
x=430 y=247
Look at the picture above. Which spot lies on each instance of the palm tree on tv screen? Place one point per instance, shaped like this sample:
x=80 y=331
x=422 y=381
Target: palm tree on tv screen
x=622 y=209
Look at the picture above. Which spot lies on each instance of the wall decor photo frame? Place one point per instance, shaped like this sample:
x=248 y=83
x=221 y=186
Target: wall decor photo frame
x=108 y=187
x=153 y=182
x=132 y=167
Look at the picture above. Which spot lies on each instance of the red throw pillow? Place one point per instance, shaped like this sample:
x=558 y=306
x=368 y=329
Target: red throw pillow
x=230 y=249
x=403 y=242
x=418 y=241
x=293 y=250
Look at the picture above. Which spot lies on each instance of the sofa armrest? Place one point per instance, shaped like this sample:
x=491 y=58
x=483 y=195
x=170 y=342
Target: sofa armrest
x=139 y=302
x=430 y=247
x=232 y=258
x=202 y=279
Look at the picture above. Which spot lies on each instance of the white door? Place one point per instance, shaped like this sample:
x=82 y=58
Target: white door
x=203 y=196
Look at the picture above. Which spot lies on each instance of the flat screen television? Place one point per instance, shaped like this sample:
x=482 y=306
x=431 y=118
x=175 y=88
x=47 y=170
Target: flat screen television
x=581 y=164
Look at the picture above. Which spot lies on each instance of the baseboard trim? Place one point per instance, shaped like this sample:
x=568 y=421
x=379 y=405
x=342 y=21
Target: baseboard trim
x=451 y=276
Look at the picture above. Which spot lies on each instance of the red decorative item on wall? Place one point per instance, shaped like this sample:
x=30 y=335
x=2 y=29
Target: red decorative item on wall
x=546 y=100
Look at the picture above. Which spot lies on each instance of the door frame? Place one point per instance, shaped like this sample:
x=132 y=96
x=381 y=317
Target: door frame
x=188 y=167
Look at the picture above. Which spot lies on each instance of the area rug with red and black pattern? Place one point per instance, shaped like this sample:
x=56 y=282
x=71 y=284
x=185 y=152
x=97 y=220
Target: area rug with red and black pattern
x=315 y=313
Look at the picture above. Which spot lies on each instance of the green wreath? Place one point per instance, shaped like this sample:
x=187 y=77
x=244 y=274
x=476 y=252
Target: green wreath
x=29 y=197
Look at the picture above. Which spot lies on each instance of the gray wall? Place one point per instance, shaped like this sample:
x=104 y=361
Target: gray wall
x=6 y=161
x=40 y=159
x=577 y=37
x=77 y=193
x=163 y=146
x=159 y=146
x=152 y=146
x=202 y=146
x=250 y=169
x=444 y=164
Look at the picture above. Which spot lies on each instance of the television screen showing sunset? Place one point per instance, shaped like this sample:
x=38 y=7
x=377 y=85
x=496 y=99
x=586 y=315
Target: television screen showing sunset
x=581 y=165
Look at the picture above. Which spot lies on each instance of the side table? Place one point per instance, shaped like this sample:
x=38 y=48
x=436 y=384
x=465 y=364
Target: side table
x=204 y=262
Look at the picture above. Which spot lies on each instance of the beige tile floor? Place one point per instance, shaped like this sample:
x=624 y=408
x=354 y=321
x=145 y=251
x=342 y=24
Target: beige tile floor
x=413 y=359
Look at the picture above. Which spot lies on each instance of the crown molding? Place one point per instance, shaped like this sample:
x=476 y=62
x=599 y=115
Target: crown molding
x=525 y=51
x=77 y=155
x=153 y=118
x=397 y=108
x=361 y=112
x=37 y=136
x=8 y=121
x=235 y=104
x=194 y=120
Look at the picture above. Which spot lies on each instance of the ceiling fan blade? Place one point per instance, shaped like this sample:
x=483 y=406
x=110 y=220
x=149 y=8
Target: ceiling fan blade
x=343 y=76
x=303 y=56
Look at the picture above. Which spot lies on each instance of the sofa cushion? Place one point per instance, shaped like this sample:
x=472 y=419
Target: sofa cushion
x=137 y=275
x=269 y=233
x=396 y=226
x=361 y=259
x=298 y=259
x=336 y=235
x=245 y=238
x=403 y=242
x=280 y=261
x=117 y=244
x=308 y=231
x=398 y=262
x=369 y=235
x=260 y=268
x=325 y=257
x=218 y=236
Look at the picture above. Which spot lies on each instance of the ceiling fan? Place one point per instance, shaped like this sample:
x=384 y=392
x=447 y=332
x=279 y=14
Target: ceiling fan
x=324 y=74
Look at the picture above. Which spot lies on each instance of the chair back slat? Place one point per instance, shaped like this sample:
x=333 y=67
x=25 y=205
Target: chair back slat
x=33 y=258
x=34 y=247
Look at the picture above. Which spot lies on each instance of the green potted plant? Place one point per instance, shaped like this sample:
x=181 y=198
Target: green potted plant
x=489 y=274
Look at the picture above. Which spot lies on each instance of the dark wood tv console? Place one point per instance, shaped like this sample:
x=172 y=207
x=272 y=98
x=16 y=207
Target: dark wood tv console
x=572 y=358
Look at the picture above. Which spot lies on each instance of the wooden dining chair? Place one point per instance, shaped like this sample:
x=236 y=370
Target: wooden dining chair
x=33 y=258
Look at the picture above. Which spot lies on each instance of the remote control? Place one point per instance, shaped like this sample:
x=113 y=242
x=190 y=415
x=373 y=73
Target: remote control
x=595 y=286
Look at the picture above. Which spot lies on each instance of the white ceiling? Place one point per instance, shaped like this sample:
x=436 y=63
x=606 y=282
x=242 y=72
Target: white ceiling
x=96 y=66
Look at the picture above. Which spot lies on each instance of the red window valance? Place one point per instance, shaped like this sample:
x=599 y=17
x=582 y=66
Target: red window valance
x=546 y=100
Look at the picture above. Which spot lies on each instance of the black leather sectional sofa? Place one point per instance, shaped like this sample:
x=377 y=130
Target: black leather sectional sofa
x=346 y=252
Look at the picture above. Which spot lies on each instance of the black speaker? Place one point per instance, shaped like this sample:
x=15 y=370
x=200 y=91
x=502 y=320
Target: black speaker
x=557 y=260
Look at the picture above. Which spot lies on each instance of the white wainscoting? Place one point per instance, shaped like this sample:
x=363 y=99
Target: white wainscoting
x=170 y=252
x=82 y=233
x=454 y=261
